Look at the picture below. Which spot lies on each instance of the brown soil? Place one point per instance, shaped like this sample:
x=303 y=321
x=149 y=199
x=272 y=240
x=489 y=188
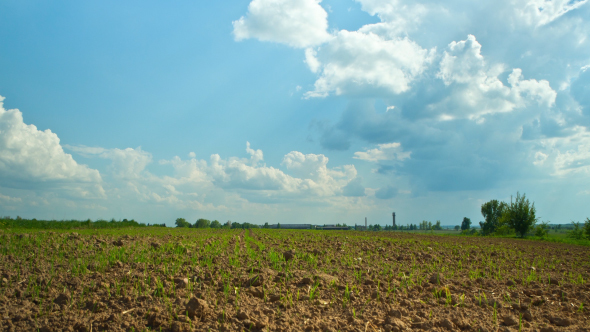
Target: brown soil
x=278 y=280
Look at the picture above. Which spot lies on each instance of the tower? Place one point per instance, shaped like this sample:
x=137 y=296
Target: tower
x=365 y=223
x=393 y=214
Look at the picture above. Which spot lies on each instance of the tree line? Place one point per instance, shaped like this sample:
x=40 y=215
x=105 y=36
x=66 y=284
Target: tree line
x=18 y=222
x=206 y=223
x=517 y=217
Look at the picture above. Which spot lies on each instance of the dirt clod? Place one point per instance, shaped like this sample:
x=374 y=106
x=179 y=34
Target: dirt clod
x=509 y=320
x=181 y=282
x=196 y=307
x=242 y=315
x=62 y=299
x=560 y=321
x=289 y=255
x=435 y=279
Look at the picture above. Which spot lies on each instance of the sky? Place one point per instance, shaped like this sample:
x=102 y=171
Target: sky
x=293 y=111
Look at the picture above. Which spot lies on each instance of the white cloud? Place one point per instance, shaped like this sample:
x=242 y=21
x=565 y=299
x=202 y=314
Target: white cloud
x=255 y=155
x=301 y=23
x=33 y=156
x=312 y=176
x=8 y=199
x=540 y=158
x=310 y=59
x=356 y=63
x=462 y=62
x=388 y=151
x=568 y=154
x=541 y=12
x=397 y=18
x=539 y=91
x=475 y=89
x=126 y=164
x=316 y=177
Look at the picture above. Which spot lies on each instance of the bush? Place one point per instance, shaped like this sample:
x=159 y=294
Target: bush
x=504 y=230
x=587 y=228
x=541 y=230
x=577 y=233
x=471 y=231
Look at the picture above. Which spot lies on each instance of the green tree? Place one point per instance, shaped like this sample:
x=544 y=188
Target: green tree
x=265 y=225
x=437 y=226
x=492 y=211
x=587 y=228
x=423 y=225
x=215 y=224
x=457 y=227
x=520 y=215
x=181 y=222
x=202 y=223
x=466 y=224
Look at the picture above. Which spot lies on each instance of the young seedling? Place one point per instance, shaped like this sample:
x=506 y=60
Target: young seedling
x=494 y=314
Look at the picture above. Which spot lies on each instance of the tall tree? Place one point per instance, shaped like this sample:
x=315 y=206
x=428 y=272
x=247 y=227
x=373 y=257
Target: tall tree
x=181 y=222
x=202 y=223
x=215 y=224
x=466 y=224
x=492 y=211
x=520 y=215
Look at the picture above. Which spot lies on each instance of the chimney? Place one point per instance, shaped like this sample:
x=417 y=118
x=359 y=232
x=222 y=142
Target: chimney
x=365 y=222
x=393 y=214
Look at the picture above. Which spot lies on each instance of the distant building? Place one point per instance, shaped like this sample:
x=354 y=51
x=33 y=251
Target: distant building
x=360 y=228
x=292 y=226
x=332 y=228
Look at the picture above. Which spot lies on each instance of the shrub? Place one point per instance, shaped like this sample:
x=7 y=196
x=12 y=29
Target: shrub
x=504 y=230
x=577 y=233
x=541 y=230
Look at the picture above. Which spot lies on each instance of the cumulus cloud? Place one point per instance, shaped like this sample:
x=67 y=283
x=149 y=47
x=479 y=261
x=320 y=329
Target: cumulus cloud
x=317 y=177
x=389 y=151
x=28 y=155
x=301 y=23
x=309 y=175
x=220 y=183
x=397 y=17
x=476 y=90
x=126 y=163
x=356 y=63
x=311 y=60
x=566 y=155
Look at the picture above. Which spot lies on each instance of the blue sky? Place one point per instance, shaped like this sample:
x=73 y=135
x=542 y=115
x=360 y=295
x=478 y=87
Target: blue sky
x=293 y=111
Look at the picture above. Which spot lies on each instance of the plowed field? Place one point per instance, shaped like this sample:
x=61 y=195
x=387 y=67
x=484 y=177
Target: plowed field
x=279 y=280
